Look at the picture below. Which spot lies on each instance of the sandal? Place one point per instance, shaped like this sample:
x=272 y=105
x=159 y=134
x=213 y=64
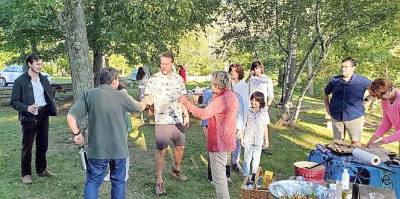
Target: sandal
x=160 y=189
x=178 y=174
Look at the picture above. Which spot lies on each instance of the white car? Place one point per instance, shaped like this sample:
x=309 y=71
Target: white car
x=11 y=73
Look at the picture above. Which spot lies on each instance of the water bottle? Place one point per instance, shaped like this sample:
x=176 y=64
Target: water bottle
x=82 y=157
x=338 y=194
x=345 y=180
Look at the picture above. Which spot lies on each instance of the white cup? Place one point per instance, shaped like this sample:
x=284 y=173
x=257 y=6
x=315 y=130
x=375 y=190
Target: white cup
x=36 y=112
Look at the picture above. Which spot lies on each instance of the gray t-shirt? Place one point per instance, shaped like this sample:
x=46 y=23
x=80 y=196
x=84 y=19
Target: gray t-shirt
x=166 y=91
x=107 y=130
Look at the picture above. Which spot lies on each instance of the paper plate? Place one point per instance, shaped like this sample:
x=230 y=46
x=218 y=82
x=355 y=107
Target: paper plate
x=290 y=188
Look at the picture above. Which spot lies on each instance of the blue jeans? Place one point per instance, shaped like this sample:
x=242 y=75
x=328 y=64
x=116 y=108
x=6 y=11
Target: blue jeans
x=236 y=153
x=96 y=170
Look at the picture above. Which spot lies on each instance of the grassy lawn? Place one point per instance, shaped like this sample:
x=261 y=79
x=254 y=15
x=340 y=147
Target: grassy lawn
x=287 y=146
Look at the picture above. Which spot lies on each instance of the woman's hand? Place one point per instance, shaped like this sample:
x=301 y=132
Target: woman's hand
x=372 y=141
x=375 y=145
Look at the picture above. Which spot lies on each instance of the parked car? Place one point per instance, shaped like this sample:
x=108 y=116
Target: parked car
x=10 y=73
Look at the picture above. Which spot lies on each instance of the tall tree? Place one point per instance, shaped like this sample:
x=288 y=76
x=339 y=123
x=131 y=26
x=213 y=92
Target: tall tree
x=301 y=30
x=73 y=19
x=30 y=26
x=140 y=30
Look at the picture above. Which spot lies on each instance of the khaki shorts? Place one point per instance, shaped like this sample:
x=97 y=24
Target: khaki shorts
x=354 y=128
x=169 y=132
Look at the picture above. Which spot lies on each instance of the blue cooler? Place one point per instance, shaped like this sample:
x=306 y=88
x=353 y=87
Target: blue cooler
x=385 y=175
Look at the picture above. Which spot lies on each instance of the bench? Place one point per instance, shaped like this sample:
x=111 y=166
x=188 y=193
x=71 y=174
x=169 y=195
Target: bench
x=5 y=95
x=60 y=90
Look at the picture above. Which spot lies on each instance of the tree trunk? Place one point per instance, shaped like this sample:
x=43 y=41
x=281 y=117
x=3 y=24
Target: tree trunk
x=288 y=84
x=280 y=77
x=97 y=65
x=22 y=57
x=73 y=20
x=285 y=117
x=106 y=61
x=34 y=48
x=310 y=79
x=310 y=91
x=96 y=42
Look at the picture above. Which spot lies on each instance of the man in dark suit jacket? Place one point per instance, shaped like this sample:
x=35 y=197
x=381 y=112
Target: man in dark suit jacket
x=33 y=98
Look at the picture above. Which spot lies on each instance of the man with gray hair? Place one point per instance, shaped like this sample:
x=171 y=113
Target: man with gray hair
x=221 y=114
x=106 y=109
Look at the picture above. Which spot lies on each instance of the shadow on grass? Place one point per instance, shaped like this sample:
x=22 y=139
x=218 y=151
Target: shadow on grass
x=313 y=118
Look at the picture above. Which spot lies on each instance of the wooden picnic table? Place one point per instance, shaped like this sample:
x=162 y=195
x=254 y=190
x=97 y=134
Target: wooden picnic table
x=60 y=90
x=5 y=95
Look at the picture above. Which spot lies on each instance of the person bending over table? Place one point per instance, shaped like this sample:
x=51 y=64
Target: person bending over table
x=383 y=89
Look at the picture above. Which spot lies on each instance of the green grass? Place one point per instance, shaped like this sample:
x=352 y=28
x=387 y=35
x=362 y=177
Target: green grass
x=287 y=146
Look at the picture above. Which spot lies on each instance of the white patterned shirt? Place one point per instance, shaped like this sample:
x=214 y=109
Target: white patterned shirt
x=166 y=91
x=255 y=127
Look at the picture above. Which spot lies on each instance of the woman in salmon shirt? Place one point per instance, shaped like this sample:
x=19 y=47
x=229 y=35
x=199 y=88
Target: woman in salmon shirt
x=221 y=114
x=383 y=89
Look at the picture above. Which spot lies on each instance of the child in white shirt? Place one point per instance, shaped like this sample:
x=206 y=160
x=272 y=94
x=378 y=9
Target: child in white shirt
x=255 y=133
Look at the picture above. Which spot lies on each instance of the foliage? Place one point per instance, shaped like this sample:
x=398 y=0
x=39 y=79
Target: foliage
x=195 y=53
x=138 y=30
x=289 y=33
x=6 y=58
x=120 y=63
x=141 y=30
x=30 y=25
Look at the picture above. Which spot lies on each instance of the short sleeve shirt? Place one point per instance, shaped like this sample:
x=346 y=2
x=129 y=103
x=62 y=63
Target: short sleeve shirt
x=347 y=97
x=255 y=127
x=166 y=91
x=262 y=84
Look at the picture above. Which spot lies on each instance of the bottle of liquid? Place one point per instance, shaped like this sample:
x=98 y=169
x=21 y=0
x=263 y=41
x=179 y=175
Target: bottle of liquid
x=345 y=180
x=346 y=192
x=338 y=192
x=82 y=157
x=355 y=191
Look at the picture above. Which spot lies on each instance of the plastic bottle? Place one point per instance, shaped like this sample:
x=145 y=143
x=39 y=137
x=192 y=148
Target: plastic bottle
x=345 y=180
x=338 y=194
x=82 y=157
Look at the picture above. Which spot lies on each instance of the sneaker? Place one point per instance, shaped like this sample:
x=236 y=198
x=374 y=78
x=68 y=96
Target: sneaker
x=46 y=173
x=27 y=179
x=229 y=180
x=178 y=174
x=160 y=189
x=237 y=168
